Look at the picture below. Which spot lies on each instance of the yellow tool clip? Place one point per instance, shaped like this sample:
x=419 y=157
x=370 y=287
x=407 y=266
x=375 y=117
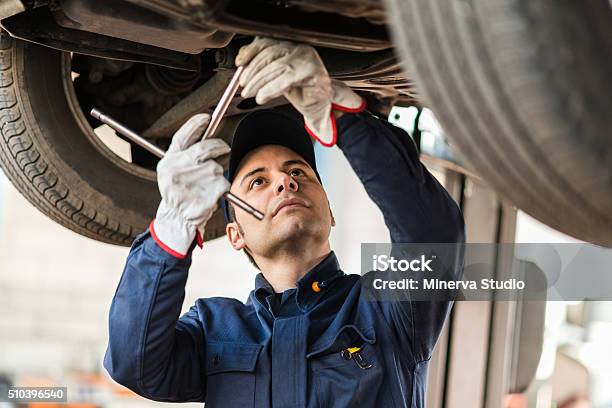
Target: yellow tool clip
x=358 y=358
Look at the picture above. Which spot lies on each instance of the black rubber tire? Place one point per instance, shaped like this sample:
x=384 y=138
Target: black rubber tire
x=523 y=89
x=48 y=157
x=45 y=154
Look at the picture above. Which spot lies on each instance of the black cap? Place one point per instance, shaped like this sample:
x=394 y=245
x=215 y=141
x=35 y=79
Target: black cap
x=268 y=127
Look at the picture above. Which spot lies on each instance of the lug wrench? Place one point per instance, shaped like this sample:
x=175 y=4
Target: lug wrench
x=215 y=119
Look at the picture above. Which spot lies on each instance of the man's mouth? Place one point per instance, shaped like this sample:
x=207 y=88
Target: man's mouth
x=289 y=203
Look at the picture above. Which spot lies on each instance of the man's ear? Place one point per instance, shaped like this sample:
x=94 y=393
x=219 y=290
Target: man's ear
x=234 y=236
x=333 y=220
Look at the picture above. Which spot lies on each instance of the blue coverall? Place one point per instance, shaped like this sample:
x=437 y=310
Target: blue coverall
x=284 y=350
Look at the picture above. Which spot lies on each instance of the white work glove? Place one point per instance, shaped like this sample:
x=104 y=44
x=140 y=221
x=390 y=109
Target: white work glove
x=275 y=68
x=190 y=183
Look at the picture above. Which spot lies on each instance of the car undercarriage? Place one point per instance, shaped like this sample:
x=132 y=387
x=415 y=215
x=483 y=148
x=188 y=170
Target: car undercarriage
x=154 y=53
x=521 y=88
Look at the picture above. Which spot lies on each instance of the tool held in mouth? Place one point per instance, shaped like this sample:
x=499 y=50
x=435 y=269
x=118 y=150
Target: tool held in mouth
x=216 y=117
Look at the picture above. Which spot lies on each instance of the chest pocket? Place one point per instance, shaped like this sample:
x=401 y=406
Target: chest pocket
x=342 y=380
x=230 y=374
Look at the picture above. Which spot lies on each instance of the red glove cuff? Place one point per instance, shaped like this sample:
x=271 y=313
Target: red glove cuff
x=332 y=118
x=350 y=110
x=176 y=254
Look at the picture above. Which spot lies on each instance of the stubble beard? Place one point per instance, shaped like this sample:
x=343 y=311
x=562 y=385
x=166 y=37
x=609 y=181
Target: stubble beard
x=291 y=238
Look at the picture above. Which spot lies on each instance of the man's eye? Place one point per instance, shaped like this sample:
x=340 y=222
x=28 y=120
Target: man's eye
x=296 y=172
x=256 y=182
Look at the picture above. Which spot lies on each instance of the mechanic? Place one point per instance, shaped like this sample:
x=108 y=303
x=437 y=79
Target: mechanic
x=306 y=336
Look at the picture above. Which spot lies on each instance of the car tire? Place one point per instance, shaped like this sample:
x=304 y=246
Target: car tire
x=522 y=89
x=45 y=154
x=52 y=158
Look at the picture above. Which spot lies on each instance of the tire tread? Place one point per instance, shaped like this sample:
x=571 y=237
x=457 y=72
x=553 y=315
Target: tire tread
x=32 y=174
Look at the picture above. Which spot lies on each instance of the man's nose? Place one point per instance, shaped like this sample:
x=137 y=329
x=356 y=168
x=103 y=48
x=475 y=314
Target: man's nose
x=285 y=183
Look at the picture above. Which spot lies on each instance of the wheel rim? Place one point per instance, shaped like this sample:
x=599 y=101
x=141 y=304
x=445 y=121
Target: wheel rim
x=90 y=133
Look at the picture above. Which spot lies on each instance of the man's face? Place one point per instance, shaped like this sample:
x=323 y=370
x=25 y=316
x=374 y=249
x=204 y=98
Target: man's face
x=278 y=182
